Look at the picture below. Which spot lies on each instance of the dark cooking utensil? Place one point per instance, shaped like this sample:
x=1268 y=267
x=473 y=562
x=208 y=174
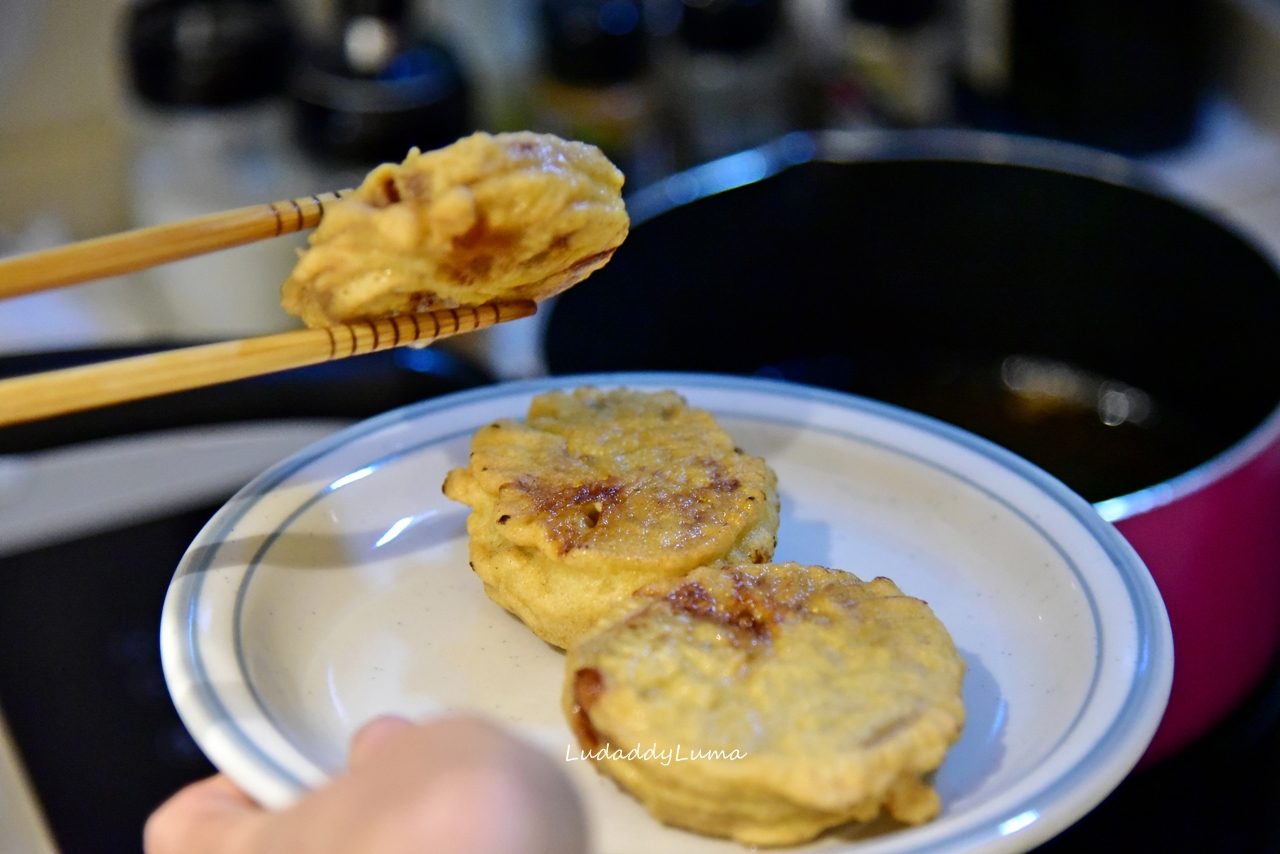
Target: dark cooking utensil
x=1052 y=298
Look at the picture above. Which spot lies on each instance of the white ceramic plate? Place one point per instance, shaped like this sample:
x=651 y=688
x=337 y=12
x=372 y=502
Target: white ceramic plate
x=335 y=587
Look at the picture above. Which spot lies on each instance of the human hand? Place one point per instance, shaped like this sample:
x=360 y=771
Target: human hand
x=455 y=786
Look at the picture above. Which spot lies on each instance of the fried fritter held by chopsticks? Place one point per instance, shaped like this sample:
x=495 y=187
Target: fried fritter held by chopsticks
x=507 y=216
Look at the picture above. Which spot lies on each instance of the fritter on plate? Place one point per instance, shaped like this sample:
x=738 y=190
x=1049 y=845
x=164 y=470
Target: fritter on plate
x=601 y=492
x=767 y=703
x=509 y=216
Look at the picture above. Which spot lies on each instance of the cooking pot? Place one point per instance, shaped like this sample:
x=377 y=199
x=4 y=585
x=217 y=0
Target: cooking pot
x=1055 y=299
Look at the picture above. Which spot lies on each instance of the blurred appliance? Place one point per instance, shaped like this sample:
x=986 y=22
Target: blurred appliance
x=207 y=76
x=1125 y=76
x=376 y=86
x=727 y=77
x=594 y=83
x=1251 y=47
x=900 y=52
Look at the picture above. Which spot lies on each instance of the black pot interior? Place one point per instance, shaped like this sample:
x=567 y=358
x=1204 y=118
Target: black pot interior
x=1112 y=336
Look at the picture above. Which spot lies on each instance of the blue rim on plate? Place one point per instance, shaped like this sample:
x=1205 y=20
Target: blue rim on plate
x=216 y=714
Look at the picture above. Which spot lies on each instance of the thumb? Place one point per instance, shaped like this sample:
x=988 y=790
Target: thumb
x=373 y=736
x=207 y=817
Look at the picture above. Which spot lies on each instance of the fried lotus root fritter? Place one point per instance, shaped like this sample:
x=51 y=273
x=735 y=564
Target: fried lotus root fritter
x=509 y=216
x=838 y=695
x=601 y=492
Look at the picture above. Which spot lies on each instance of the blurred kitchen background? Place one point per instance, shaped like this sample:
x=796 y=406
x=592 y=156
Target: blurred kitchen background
x=116 y=114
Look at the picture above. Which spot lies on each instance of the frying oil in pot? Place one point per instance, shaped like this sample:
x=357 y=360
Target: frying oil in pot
x=1099 y=435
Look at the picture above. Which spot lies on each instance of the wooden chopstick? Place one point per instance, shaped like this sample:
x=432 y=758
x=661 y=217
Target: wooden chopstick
x=141 y=248
x=35 y=396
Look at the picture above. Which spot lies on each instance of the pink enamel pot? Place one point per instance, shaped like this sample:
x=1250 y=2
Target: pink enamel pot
x=1054 y=299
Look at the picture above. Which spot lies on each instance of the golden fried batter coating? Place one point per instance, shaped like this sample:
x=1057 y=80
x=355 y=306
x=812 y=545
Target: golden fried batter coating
x=511 y=216
x=837 y=695
x=601 y=492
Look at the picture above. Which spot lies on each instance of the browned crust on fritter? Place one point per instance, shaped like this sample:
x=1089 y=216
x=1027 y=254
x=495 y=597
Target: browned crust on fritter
x=841 y=696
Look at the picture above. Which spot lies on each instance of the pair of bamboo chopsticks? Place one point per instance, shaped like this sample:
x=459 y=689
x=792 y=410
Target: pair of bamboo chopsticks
x=28 y=398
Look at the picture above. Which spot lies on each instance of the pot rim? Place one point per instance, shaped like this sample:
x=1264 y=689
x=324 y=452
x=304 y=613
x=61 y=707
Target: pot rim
x=973 y=146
